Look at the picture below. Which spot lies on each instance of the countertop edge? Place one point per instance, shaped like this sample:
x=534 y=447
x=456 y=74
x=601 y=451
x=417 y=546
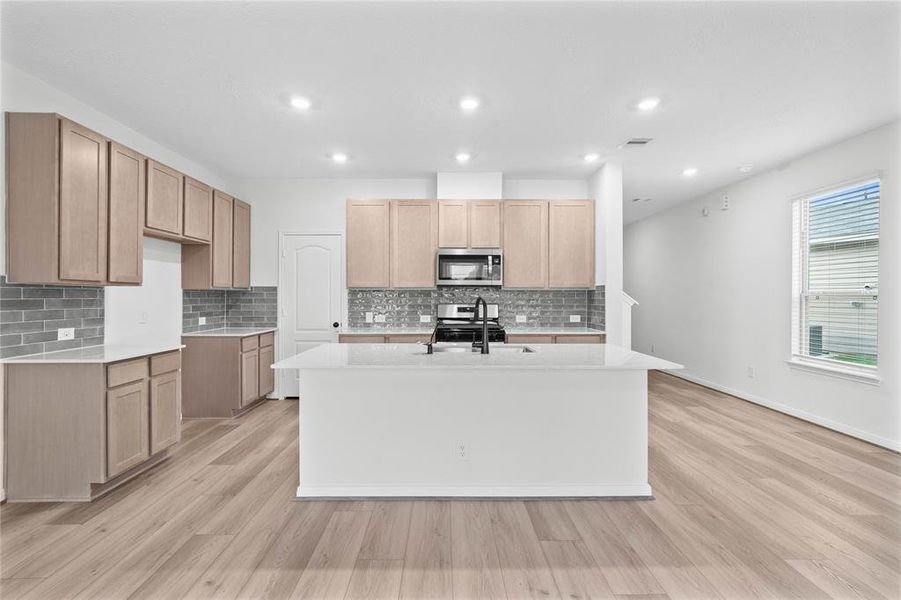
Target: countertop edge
x=107 y=353
x=230 y=332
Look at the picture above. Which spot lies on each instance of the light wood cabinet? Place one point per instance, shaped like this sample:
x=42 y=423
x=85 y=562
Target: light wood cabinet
x=127 y=176
x=241 y=245
x=117 y=420
x=469 y=224
x=525 y=233
x=485 y=224
x=527 y=338
x=581 y=339
x=165 y=410
x=198 y=211
x=453 y=224
x=83 y=198
x=572 y=338
x=571 y=244
x=223 y=232
x=408 y=338
x=368 y=242
x=127 y=427
x=355 y=338
x=165 y=199
x=223 y=376
x=414 y=243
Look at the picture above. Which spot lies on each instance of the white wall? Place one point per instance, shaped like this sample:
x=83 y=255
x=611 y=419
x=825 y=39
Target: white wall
x=318 y=205
x=149 y=313
x=606 y=187
x=715 y=292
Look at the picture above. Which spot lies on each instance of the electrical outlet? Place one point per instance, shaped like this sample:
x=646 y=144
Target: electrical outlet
x=652 y=348
x=461 y=451
x=521 y=318
x=201 y=321
x=751 y=372
x=725 y=204
x=142 y=319
x=368 y=316
x=575 y=318
x=380 y=318
x=425 y=318
x=66 y=333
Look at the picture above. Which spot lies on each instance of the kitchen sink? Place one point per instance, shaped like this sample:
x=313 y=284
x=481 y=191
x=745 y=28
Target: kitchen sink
x=492 y=349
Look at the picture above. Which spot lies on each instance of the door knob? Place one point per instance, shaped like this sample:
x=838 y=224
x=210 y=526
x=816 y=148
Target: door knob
x=336 y=324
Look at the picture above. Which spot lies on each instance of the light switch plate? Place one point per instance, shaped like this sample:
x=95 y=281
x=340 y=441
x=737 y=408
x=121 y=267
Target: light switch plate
x=380 y=318
x=575 y=318
x=368 y=316
x=425 y=318
x=520 y=318
x=66 y=333
x=201 y=321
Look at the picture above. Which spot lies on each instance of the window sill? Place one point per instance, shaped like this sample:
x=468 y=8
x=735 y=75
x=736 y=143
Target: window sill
x=849 y=373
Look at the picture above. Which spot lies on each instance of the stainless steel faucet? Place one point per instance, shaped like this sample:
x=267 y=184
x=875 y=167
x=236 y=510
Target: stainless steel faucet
x=475 y=315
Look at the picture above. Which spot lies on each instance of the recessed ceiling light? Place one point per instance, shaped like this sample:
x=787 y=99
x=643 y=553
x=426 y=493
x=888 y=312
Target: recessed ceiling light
x=339 y=157
x=745 y=168
x=648 y=104
x=690 y=172
x=592 y=157
x=301 y=102
x=469 y=103
x=463 y=157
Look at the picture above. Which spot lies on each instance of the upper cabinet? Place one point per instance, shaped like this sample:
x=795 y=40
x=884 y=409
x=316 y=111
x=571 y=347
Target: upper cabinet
x=241 y=245
x=570 y=243
x=368 y=240
x=198 y=211
x=165 y=199
x=126 y=215
x=469 y=224
x=414 y=243
x=525 y=247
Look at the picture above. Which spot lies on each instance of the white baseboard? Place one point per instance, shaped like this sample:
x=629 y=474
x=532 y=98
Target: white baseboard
x=449 y=491
x=2 y=494
x=794 y=412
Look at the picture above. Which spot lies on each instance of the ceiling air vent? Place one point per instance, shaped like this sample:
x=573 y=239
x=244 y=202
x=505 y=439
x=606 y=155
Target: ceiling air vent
x=637 y=141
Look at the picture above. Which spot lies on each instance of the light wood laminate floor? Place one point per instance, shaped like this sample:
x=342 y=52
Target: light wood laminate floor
x=749 y=504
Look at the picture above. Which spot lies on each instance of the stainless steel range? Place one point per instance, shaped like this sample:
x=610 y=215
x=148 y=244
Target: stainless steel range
x=459 y=323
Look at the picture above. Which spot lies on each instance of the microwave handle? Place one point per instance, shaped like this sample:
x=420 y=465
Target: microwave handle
x=489 y=266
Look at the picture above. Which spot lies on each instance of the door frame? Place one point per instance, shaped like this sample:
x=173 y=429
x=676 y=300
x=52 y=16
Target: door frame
x=280 y=288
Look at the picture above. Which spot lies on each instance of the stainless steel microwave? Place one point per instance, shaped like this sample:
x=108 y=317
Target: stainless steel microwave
x=483 y=266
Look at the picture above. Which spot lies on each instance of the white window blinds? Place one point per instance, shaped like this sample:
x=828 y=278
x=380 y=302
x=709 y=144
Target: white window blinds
x=836 y=276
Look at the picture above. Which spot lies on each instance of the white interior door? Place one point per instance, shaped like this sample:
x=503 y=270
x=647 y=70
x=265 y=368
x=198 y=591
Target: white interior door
x=310 y=297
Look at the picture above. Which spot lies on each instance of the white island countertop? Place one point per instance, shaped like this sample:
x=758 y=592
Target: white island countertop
x=229 y=332
x=557 y=357
x=101 y=354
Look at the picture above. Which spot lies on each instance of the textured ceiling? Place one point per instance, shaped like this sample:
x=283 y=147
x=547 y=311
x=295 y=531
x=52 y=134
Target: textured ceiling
x=741 y=83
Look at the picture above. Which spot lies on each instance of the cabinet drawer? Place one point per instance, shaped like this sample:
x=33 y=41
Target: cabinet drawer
x=580 y=339
x=361 y=339
x=126 y=372
x=249 y=343
x=163 y=363
x=522 y=338
x=267 y=339
x=408 y=338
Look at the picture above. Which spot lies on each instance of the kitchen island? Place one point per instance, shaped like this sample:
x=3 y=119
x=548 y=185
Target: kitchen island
x=543 y=420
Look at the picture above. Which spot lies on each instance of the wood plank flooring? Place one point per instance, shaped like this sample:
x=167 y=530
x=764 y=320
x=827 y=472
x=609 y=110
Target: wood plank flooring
x=749 y=504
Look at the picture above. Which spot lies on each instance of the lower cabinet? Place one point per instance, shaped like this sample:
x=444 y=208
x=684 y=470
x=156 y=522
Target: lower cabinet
x=77 y=430
x=572 y=338
x=394 y=338
x=224 y=375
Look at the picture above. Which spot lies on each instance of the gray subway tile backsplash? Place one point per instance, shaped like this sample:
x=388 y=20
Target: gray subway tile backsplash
x=541 y=308
x=254 y=307
x=31 y=314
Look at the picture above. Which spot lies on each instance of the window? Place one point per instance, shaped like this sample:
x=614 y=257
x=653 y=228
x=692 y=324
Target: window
x=835 y=278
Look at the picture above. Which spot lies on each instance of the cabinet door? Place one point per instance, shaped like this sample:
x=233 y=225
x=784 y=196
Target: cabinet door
x=580 y=339
x=198 y=210
x=453 y=224
x=414 y=243
x=368 y=240
x=165 y=410
x=165 y=194
x=83 y=198
x=267 y=378
x=250 y=377
x=241 y=245
x=126 y=215
x=525 y=243
x=571 y=244
x=485 y=224
x=127 y=432
x=222 y=239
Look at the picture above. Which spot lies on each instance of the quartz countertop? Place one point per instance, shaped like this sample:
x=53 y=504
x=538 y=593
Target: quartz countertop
x=102 y=354
x=230 y=332
x=556 y=357
x=511 y=330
